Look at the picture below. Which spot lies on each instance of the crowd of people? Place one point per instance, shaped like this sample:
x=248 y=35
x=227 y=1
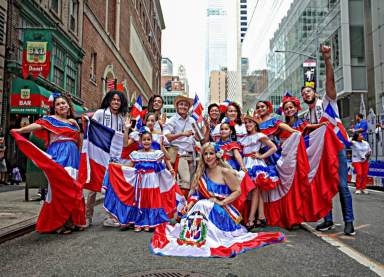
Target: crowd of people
x=214 y=181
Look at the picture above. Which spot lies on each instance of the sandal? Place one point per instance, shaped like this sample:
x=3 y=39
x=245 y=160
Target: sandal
x=63 y=231
x=147 y=229
x=261 y=222
x=137 y=229
x=250 y=225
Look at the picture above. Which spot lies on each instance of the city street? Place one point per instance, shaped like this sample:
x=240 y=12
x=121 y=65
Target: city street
x=101 y=251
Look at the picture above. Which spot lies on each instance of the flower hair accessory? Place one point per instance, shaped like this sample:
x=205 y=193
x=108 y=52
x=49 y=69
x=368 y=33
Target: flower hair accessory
x=226 y=120
x=218 y=151
x=53 y=96
x=294 y=100
x=144 y=130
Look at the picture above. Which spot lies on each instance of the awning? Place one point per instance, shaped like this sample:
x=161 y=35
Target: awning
x=27 y=97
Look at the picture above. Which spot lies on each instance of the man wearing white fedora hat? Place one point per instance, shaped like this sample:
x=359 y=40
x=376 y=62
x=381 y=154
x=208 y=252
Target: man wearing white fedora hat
x=179 y=132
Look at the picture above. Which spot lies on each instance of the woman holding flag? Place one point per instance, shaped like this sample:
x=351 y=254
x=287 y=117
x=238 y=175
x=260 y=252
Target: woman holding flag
x=63 y=210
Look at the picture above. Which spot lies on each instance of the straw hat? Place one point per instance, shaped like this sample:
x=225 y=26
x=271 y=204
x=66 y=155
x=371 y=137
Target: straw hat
x=182 y=98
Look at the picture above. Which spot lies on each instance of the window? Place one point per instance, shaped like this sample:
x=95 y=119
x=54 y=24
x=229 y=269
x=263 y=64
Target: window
x=243 y=6
x=243 y=23
x=55 y=6
x=92 y=75
x=243 y=12
x=73 y=5
x=2 y=26
x=243 y=18
x=71 y=76
x=243 y=29
x=59 y=65
x=243 y=1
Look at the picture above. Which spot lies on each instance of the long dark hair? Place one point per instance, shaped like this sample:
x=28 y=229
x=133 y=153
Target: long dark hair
x=52 y=110
x=108 y=99
x=233 y=135
x=238 y=109
x=151 y=100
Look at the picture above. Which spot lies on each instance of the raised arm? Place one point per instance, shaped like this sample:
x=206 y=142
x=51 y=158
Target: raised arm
x=330 y=88
x=27 y=129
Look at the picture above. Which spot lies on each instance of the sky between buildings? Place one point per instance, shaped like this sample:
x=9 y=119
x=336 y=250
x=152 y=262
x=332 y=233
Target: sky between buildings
x=184 y=38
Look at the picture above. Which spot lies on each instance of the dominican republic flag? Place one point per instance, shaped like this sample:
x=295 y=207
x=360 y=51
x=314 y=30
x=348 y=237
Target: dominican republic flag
x=322 y=147
x=223 y=106
x=330 y=115
x=160 y=196
x=111 y=84
x=284 y=204
x=197 y=110
x=137 y=112
x=65 y=195
x=100 y=145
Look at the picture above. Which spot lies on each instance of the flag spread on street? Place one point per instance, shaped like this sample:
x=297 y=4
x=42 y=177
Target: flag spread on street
x=100 y=146
x=197 y=110
x=330 y=115
x=65 y=195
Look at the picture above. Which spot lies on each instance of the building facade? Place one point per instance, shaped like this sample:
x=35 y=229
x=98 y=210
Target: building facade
x=166 y=67
x=218 y=86
x=253 y=86
x=172 y=86
x=243 y=18
x=122 y=42
x=337 y=23
x=48 y=34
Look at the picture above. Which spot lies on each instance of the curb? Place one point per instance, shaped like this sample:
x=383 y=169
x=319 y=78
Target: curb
x=27 y=226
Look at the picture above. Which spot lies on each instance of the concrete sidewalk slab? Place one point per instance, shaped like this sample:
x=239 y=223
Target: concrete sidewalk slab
x=17 y=214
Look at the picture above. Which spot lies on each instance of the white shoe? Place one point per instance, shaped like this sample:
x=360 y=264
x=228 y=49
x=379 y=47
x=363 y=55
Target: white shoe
x=110 y=222
x=358 y=192
x=365 y=191
x=88 y=222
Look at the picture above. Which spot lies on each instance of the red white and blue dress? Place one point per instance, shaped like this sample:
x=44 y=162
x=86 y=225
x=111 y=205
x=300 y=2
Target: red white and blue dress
x=64 y=200
x=228 y=147
x=143 y=195
x=241 y=132
x=208 y=229
x=264 y=176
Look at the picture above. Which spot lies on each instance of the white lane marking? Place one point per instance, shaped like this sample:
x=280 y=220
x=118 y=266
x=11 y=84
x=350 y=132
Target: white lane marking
x=370 y=190
x=357 y=256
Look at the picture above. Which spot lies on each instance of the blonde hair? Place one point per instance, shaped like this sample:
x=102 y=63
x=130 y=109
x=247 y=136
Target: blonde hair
x=202 y=166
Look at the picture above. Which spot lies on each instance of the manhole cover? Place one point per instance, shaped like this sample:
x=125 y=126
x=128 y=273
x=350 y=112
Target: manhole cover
x=168 y=273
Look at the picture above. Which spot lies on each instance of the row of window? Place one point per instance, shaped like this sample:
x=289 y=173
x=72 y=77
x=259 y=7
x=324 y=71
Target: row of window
x=57 y=7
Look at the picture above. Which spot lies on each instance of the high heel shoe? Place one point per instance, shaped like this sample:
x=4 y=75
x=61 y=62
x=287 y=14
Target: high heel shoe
x=250 y=225
x=261 y=222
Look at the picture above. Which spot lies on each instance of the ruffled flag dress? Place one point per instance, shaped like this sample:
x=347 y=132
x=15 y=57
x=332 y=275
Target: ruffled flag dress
x=143 y=195
x=64 y=199
x=208 y=229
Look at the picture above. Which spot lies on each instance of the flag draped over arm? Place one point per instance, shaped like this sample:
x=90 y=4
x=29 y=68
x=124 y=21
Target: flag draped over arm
x=65 y=197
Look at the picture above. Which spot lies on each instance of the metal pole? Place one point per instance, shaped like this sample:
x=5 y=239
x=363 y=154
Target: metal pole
x=317 y=50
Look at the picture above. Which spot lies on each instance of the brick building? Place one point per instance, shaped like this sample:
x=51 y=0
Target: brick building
x=122 y=41
x=52 y=31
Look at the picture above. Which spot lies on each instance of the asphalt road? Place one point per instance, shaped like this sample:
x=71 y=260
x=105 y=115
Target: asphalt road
x=101 y=251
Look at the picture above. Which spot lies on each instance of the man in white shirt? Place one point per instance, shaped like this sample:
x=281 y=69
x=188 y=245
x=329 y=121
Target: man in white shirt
x=111 y=114
x=179 y=132
x=316 y=110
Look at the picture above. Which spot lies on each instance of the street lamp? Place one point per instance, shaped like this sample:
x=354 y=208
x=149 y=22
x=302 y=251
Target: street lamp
x=306 y=55
x=296 y=52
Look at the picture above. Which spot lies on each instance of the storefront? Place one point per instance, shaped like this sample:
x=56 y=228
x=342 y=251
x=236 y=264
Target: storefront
x=46 y=58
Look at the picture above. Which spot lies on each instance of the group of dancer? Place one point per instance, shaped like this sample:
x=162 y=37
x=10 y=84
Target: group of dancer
x=214 y=181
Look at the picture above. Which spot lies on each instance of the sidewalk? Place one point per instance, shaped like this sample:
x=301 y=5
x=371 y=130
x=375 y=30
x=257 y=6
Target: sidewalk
x=17 y=214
